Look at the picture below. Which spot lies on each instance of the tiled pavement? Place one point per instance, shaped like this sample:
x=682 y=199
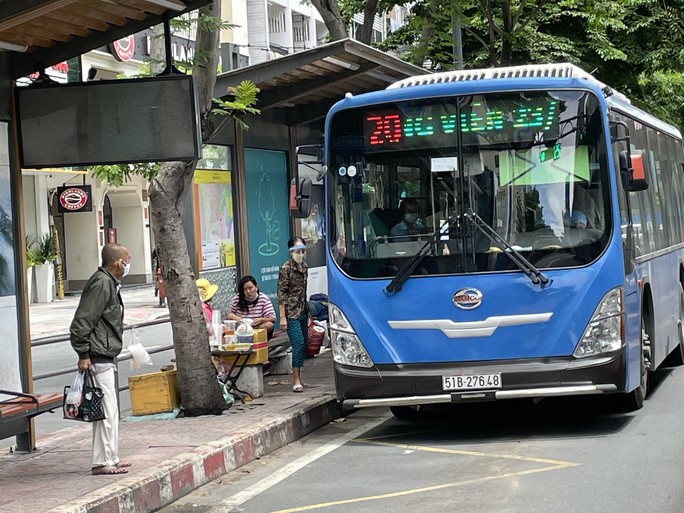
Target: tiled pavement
x=170 y=457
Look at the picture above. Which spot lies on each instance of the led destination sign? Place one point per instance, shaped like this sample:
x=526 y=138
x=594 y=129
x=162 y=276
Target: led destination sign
x=436 y=125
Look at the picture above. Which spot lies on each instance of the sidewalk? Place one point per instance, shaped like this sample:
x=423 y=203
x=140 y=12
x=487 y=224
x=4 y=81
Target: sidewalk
x=170 y=457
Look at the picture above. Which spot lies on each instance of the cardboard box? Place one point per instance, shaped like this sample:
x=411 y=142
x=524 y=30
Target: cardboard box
x=155 y=392
x=259 y=349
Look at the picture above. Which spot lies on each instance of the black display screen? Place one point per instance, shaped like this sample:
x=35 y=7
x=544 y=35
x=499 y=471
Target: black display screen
x=498 y=118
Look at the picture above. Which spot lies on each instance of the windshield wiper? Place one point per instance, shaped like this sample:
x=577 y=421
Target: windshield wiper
x=525 y=265
x=406 y=271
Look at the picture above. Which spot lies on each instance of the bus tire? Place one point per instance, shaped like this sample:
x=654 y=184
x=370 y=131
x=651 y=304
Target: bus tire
x=634 y=400
x=406 y=412
x=676 y=357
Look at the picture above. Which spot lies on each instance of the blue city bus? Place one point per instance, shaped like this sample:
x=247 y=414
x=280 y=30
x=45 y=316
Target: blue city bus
x=501 y=233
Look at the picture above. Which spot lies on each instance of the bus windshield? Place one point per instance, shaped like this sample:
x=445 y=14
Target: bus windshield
x=532 y=165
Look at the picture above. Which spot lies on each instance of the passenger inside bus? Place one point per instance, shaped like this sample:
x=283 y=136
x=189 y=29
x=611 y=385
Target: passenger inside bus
x=411 y=223
x=584 y=202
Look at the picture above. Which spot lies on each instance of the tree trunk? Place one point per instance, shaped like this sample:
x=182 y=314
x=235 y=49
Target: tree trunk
x=421 y=49
x=364 y=33
x=506 y=39
x=199 y=390
x=330 y=12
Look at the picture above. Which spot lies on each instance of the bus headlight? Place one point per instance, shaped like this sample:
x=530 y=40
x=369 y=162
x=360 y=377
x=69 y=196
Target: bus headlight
x=605 y=331
x=347 y=349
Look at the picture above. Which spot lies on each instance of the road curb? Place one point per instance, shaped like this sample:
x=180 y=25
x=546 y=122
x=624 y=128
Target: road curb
x=159 y=486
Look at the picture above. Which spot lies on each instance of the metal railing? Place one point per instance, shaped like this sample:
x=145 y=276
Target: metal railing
x=56 y=339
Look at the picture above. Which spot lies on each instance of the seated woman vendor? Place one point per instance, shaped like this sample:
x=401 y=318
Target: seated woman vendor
x=249 y=303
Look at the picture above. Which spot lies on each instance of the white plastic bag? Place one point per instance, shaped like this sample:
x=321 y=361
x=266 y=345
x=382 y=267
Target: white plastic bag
x=74 y=397
x=76 y=391
x=244 y=332
x=139 y=354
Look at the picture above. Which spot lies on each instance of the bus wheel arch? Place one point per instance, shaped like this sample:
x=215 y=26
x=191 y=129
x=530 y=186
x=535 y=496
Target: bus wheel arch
x=676 y=357
x=634 y=400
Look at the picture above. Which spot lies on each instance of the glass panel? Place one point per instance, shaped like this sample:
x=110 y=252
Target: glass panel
x=532 y=165
x=214 y=204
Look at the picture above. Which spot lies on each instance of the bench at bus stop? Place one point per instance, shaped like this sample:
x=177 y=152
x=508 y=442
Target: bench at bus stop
x=17 y=411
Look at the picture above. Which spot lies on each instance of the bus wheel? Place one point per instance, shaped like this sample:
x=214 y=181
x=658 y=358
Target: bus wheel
x=677 y=356
x=634 y=400
x=406 y=412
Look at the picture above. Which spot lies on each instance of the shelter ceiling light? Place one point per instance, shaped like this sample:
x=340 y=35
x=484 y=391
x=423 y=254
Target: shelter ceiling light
x=169 y=4
x=14 y=47
x=343 y=64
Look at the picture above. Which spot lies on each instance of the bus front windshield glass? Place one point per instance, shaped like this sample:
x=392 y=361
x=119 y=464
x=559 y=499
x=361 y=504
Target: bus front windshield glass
x=532 y=165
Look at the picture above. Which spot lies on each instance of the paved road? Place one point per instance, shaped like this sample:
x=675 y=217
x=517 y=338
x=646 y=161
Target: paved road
x=560 y=456
x=61 y=356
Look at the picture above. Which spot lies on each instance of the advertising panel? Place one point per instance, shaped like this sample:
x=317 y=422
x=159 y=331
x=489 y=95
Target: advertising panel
x=214 y=200
x=267 y=216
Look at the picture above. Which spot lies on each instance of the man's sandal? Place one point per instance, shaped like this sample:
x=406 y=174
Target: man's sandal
x=124 y=464
x=298 y=388
x=108 y=470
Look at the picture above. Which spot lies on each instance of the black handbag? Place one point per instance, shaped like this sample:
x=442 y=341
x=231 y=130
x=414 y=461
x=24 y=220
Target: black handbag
x=91 y=407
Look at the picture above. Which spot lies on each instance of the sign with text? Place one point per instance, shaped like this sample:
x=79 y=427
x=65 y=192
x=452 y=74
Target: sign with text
x=74 y=198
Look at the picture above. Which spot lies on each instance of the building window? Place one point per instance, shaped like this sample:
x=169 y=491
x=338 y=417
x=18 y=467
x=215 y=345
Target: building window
x=300 y=29
x=276 y=20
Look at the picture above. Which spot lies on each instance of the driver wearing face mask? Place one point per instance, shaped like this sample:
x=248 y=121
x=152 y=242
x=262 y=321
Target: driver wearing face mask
x=411 y=223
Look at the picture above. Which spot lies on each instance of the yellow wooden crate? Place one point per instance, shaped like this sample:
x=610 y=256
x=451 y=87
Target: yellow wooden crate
x=259 y=349
x=155 y=392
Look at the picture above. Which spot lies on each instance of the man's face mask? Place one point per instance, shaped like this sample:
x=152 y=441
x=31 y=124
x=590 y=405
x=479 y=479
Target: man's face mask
x=410 y=217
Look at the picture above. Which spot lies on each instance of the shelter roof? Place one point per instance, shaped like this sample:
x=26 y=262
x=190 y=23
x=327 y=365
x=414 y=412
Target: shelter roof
x=306 y=84
x=44 y=32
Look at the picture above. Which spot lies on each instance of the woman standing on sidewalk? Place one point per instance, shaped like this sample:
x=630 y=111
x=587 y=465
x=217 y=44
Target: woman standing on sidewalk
x=292 y=305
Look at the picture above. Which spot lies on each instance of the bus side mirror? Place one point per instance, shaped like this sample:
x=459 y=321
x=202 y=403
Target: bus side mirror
x=633 y=166
x=300 y=198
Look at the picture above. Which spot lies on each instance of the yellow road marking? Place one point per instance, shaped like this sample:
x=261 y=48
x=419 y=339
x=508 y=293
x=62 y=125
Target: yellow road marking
x=421 y=490
x=557 y=463
x=552 y=465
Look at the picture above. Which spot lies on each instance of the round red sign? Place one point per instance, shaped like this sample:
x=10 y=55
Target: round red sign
x=73 y=199
x=123 y=48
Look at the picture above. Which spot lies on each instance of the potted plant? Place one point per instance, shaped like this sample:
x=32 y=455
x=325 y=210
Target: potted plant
x=44 y=253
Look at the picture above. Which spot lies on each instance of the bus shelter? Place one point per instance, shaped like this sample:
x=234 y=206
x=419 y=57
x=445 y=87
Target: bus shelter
x=296 y=92
x=35 y=34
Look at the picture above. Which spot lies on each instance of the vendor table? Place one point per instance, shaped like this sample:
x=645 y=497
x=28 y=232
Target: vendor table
x=229 y=365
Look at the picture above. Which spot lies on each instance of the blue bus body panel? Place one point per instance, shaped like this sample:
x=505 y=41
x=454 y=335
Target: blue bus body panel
x=571 y=299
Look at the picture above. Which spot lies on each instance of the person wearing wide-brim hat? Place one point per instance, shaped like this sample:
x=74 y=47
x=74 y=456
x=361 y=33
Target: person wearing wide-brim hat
x=206 y=291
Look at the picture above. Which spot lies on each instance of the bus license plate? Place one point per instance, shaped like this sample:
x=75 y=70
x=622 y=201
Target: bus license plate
x=472 y=382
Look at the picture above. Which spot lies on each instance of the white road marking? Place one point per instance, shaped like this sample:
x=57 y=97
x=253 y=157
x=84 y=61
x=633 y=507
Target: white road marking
x=250 y=492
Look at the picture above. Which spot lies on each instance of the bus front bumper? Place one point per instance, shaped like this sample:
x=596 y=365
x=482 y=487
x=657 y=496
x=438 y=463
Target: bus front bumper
x=419 y=384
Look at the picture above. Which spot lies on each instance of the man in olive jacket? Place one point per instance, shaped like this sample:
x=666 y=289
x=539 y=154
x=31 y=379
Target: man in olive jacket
x=97 y=338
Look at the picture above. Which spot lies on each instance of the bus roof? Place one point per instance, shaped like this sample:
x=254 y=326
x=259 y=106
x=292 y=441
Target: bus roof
x=560 y=70
x=614 y=99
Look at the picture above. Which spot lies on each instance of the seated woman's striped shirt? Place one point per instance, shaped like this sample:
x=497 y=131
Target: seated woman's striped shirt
x=261 y=308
